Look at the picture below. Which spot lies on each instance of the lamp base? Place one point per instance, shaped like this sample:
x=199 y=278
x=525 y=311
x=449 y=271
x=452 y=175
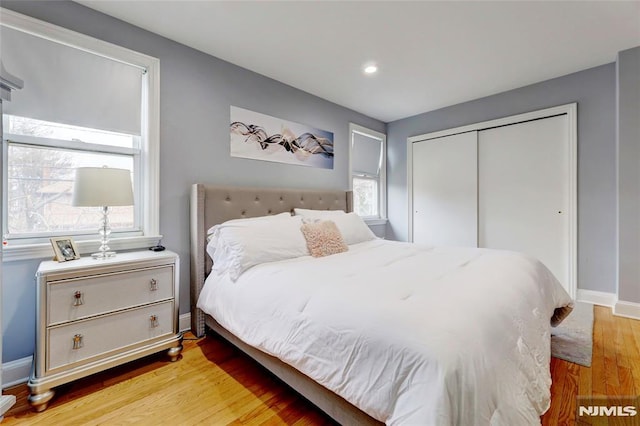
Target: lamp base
x=103 y=255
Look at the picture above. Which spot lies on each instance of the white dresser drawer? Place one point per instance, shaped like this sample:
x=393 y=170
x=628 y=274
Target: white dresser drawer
x=78 y=298
x=107 y=333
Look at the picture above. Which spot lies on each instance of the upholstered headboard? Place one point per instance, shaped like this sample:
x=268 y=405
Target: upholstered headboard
x=211 y=205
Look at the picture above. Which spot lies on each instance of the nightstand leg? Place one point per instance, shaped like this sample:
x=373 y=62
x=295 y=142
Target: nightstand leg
x=40 y=401
x=174 y=353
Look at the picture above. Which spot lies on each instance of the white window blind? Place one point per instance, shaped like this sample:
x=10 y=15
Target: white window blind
x=366 y=154
x=71 y=86
x=368 y=177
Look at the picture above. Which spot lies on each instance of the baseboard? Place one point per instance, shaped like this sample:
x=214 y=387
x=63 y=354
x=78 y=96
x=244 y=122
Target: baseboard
x=627 y=309
x=184 y=323
x=16 y=372
x=597 y=297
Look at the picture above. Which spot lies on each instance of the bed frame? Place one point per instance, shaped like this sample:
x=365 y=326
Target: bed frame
x=211 y=205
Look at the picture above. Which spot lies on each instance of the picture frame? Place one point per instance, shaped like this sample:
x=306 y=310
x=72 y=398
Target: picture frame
x=65 y=249
x=262 y=137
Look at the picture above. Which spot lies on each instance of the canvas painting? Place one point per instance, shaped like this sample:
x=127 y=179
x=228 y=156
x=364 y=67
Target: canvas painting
x=262 y=137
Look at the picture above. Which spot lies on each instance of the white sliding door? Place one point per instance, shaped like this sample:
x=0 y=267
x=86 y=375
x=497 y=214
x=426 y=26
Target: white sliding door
x=524 y=191
x=445 y=190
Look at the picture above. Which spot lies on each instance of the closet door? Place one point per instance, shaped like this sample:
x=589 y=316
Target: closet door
x=445 y=191
x=523 y=191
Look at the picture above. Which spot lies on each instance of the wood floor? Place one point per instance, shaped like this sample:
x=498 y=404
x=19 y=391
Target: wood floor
x=615 y=370
x=215 y=384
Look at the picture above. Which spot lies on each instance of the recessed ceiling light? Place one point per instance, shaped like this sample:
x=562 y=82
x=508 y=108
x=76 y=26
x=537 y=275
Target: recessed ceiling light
x=370 y=69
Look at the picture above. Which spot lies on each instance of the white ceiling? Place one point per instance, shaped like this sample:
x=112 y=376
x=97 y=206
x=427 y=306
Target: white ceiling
x=430 y=54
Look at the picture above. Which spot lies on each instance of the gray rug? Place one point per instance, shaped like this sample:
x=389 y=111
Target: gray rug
x=572 y=340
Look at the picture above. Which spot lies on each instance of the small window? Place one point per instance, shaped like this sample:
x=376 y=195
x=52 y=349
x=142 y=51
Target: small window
x=365 y=196
x=368 y=165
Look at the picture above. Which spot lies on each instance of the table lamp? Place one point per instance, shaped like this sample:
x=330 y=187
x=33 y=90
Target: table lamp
x=102 y=187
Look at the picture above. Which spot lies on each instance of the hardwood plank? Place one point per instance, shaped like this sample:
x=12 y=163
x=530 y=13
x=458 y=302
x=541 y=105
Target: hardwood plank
x=634 y=350
x=610 y=352
x=557 y=389
x=214 y=383
x=598 y=378
x=584 y=384
x=567 y=402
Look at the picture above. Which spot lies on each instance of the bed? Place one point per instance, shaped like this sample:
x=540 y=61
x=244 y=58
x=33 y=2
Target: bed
x=454 y=360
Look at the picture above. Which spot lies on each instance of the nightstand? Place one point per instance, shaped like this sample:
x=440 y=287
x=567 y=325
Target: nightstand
x=96 y=314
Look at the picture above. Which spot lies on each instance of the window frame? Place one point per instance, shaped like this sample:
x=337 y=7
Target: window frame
x=147 y=178
x=381 y=178
x=10 y=139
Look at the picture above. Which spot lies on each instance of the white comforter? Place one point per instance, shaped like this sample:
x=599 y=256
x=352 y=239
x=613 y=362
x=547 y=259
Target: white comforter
x=407 y=333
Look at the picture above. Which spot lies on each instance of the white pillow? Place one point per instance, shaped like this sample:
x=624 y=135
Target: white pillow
x=239 y=245
x=353 y=228
x=214 y=232
x=318 y=214
x=350 y=225
x=248 y=219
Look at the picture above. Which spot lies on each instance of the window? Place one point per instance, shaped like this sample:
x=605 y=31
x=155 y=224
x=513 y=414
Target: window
x=368 y=172
x=84 y=103
x=41 y=162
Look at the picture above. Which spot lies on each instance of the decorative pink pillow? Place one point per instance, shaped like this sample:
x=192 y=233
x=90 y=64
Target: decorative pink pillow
x=323 y=238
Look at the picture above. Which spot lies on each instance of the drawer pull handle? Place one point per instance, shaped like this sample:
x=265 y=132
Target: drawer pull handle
x=154 y=321
x=78 y=298
x=77 y=341
x=153 y=284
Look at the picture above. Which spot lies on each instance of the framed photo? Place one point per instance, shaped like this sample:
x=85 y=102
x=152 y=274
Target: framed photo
x=65 y=249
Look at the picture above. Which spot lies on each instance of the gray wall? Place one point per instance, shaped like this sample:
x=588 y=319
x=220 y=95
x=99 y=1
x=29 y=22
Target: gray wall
x=628 y=138
x=594 y=91
x=379 y=230
x=196 y=91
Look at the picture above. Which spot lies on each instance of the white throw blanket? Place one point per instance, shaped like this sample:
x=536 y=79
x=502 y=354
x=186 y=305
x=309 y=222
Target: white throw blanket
x=407 y=333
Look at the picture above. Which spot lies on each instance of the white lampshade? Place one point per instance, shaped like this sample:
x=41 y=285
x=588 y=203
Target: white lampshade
x=102 y=186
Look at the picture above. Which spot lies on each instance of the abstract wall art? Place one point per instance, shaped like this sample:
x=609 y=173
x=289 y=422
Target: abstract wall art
x=262 y=137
